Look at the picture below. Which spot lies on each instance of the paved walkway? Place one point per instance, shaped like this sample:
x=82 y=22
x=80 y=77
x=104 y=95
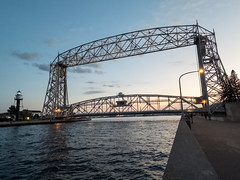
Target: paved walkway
x=221 y=143
x=187 y=161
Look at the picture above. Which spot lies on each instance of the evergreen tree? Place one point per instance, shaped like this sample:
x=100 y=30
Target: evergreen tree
x=235 y=82
x=231 y=92
x=12 y=110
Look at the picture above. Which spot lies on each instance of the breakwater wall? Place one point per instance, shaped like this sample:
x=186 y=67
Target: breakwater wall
x=187 y=160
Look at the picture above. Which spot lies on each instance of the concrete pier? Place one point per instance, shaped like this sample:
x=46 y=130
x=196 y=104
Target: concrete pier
x=187 y=161
x=210 y=150
x=220 y=140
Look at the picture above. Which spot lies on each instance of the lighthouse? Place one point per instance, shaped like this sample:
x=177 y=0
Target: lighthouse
x=18 y=98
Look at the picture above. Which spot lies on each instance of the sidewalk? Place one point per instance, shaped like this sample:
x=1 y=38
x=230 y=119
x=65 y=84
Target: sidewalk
x=221 y=143
x=187 y=161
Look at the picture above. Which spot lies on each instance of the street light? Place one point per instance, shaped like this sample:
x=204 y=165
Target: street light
x=201 y=71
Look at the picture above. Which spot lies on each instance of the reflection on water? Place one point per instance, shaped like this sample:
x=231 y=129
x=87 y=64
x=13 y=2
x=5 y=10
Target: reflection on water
x=118 y=148
x=57 y=150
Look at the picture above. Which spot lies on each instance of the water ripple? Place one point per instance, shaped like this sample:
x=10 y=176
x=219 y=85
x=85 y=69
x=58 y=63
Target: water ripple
x=123 y=148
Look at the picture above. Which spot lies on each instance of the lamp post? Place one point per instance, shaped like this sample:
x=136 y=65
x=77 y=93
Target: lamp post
x=180 y=89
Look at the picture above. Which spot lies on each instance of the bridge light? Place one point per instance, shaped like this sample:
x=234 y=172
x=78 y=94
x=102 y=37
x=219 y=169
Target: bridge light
x=201 y=71
x=27 y=118
x=58 y=110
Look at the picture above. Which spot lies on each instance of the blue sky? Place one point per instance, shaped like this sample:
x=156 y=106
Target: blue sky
x=33 y=32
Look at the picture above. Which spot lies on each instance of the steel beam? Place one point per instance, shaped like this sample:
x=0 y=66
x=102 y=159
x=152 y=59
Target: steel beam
x=135 y=103
x=213 y=81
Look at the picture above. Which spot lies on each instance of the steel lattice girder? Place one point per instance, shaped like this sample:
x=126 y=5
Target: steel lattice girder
x=137 y=43
x=57 y=89
x=131 y=103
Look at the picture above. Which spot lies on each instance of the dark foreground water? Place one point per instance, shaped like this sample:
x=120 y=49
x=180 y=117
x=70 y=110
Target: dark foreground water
x=112 y=148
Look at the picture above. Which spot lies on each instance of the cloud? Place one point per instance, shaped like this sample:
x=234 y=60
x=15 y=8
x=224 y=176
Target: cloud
x=26 y=56
x=51 y=42
x=46 y=67
x=112 y=84
x=108 y=85
x=80 y=70
x=43 y=67
x=94 y=65
x=91 y=82
x=93 y=92
x=98 y=72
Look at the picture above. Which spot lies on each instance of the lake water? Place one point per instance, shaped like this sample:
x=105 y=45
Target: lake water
x=105 y=148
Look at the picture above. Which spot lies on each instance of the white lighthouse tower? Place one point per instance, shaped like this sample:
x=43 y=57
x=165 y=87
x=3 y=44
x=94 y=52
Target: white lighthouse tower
x=18 y=98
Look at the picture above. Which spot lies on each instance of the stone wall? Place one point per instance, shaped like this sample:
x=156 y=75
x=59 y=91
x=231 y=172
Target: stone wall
x=233 y=111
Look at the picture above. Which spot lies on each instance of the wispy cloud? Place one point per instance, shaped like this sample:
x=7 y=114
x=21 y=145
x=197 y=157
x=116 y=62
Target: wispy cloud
x=43 y=67
x=98 y=72
x=111 y=85
x=108 y=85
x=80 y=70
x=26 y=56
x=94 y=65
x=90 y=82
x=52 y=42
x=185 y=12
x=93 y=92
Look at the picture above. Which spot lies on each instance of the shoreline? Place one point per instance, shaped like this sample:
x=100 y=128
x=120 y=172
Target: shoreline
x=38 y=122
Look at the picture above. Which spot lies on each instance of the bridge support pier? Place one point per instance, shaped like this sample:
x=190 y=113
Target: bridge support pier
x=201 y=51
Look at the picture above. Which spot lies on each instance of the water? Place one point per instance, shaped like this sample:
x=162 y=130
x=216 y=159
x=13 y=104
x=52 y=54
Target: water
x=111 y=148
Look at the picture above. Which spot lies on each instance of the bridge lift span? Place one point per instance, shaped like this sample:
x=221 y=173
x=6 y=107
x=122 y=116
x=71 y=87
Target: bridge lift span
x=213 y=80
x=133 y=104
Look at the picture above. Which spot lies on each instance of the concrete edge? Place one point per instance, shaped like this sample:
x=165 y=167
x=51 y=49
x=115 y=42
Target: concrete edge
x=187 y=160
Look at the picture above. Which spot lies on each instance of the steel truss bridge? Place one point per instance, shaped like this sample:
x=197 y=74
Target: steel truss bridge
x=213 y=81
x=134 y=104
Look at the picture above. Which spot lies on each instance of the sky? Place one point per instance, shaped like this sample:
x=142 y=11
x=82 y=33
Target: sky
x=32 y=33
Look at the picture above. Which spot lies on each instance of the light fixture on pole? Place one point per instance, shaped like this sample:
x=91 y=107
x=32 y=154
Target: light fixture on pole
x=180 y=89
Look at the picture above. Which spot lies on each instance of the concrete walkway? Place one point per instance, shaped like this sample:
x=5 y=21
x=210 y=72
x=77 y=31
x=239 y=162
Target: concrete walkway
x=187 y=161
x=221 y=143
